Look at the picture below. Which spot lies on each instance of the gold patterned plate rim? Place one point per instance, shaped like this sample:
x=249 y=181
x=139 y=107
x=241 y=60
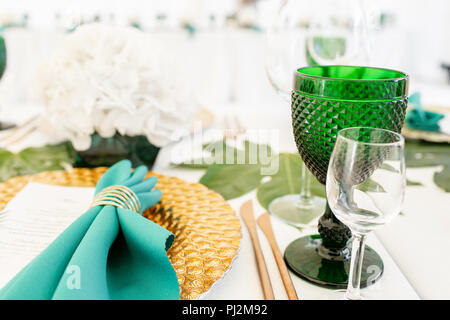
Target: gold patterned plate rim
x=207 y=230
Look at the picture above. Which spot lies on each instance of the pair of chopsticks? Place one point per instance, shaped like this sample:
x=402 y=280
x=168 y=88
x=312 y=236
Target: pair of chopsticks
x=265 y=225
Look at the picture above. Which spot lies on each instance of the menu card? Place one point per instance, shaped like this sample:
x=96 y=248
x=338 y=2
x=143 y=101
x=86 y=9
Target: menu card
x=33 y=219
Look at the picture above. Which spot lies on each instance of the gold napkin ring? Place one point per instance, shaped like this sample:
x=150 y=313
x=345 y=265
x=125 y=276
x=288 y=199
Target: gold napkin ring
x=118 y=196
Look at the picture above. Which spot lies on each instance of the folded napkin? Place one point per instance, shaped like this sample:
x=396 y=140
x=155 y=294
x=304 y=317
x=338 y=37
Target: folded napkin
x=107 y=253
x=419 y=119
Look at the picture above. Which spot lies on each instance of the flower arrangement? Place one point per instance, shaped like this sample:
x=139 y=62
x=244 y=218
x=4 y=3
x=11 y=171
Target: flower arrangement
x=113 y=80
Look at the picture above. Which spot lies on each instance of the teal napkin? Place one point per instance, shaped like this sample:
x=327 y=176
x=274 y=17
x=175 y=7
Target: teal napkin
x=107 y=253
x=419 y=119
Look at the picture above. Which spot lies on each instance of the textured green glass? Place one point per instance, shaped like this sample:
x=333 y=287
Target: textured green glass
x=351 y=83
x=304 y=261
x=3 y=125
x=2 y=56
x=327 y=99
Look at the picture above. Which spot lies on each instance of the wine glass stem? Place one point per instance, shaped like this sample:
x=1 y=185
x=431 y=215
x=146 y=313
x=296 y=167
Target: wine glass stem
x=354 y=281
x=305 y=190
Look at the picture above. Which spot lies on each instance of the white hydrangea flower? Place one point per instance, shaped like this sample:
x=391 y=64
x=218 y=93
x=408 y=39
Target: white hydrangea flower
x=108 y=79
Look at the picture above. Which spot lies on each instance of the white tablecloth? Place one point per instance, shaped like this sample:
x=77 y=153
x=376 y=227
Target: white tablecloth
x=412 y=246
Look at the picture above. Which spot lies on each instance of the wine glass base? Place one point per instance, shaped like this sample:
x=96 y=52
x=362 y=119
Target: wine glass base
x=303 y=259
x=292 y=211
x=341 y=295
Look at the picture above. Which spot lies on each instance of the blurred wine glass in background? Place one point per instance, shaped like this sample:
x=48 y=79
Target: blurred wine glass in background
x=325 y=32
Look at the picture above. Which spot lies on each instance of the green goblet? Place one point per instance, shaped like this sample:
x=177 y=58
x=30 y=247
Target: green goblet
x=325 y=100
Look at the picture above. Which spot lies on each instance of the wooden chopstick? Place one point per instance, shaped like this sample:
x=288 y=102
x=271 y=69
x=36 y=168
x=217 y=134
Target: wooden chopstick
x=249 y=220
x=266 y=227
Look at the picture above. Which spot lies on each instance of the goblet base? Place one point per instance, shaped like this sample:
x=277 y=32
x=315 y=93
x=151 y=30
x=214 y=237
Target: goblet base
x=303 y=259
x=292 y=210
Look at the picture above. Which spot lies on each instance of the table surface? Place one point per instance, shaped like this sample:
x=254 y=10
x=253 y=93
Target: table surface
x=411 y=246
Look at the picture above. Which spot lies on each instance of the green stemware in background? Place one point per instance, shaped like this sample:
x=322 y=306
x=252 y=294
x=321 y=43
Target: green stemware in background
x=325 y=100
x=302 y=32
x=2 y=56
x=3 y=125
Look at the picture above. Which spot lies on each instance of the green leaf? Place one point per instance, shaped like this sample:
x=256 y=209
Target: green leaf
x=388 y=167
x=442 y=178
x=235 y=180
x=287 y=180
x=427 y=154
x=413 y=183
x=370 y=186
x=222 y=153
x=34 y=160
x=195 y=164
x=232 y=181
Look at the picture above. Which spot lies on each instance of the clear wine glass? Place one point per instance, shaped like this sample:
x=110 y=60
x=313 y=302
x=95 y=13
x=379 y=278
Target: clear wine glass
x=284 y=51
x=365 y=188
x=305 y=33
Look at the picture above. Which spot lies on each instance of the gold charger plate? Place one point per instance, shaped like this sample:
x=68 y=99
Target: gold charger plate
x=207 y=230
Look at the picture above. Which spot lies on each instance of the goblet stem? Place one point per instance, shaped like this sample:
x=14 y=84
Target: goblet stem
x=305 y=191
x=354 y=281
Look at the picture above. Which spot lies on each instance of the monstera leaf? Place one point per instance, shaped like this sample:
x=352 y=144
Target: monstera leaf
x=34 y=160
x=427 y=154
x=442 y=178
x=233 y=180
x=233 y=172
x=287 y=180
